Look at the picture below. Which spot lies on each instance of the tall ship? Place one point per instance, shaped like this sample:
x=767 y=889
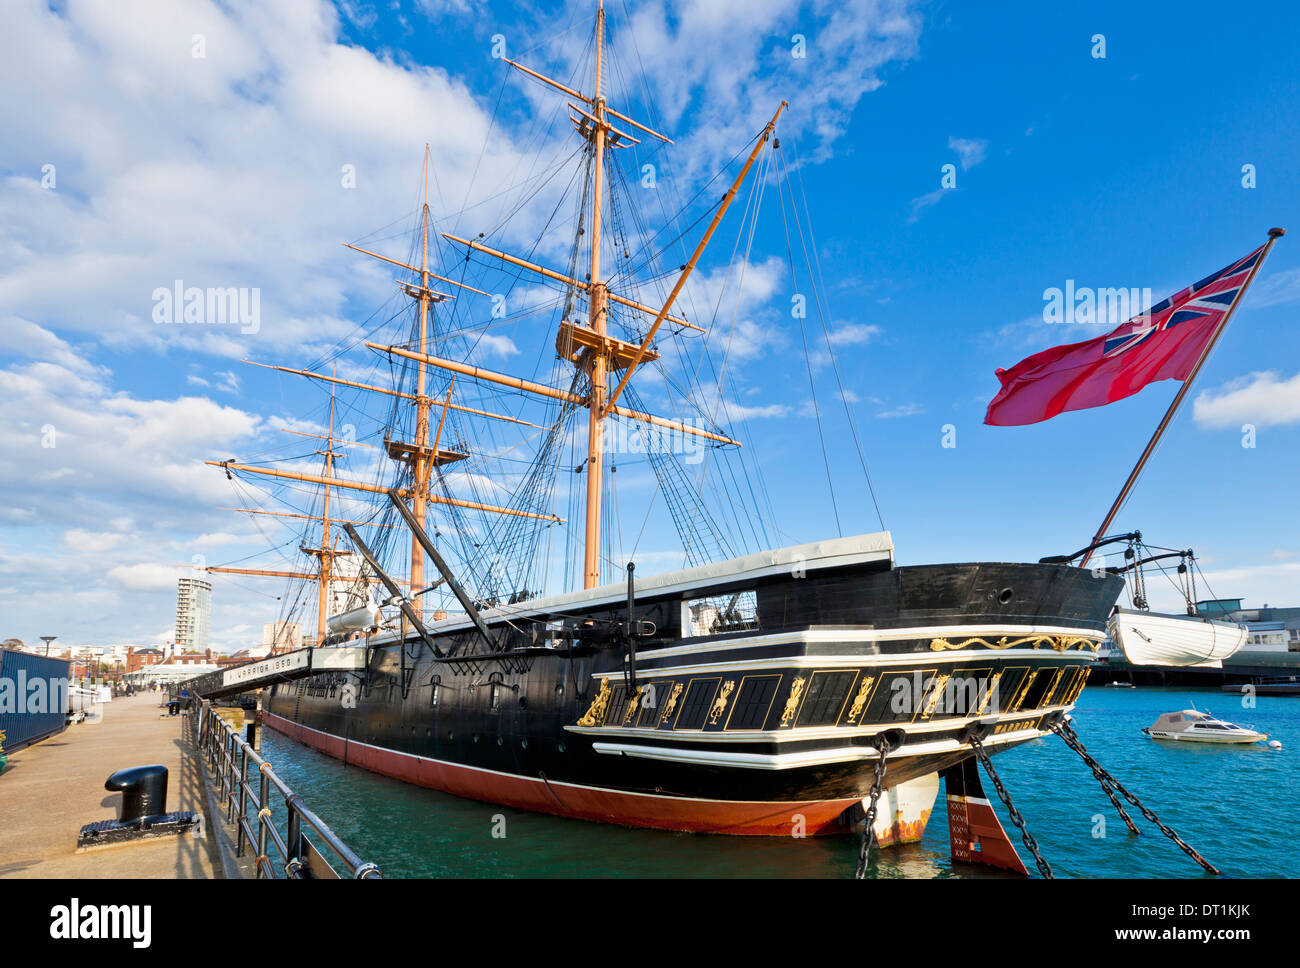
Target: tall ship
x=476 y=528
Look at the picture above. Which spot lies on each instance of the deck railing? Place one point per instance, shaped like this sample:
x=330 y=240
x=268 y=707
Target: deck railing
x=228 y=756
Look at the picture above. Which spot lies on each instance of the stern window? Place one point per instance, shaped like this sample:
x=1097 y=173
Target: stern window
x=732 y=612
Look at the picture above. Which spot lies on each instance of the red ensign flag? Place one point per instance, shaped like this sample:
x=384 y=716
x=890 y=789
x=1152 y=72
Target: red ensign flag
x=1162 y=344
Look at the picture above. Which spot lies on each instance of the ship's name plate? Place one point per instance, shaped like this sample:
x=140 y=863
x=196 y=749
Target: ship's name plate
x=301 y=660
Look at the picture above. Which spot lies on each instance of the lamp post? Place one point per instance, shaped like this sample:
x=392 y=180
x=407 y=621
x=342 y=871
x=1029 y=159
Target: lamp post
x=47 y=639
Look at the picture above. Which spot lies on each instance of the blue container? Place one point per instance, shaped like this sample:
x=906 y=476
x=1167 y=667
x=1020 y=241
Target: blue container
x=33 y=697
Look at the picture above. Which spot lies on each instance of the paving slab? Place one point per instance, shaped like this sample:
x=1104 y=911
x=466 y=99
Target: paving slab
x=49 y=791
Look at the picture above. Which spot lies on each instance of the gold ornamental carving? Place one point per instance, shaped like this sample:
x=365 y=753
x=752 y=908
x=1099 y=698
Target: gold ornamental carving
x=792 y=704
x=1060 y=643
x=671 y=704
x=632 y=706
x=596 y=714
x=720 y=703
x=860 y=700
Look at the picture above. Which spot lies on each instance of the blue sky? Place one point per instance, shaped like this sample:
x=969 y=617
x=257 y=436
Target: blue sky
x=224 y=170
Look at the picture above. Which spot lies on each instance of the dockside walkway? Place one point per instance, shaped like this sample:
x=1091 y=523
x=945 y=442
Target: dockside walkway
x=50 y=790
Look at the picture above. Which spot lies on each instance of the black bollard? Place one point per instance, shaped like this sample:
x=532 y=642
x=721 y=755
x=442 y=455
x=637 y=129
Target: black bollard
x=144 y=812
x=143 y=789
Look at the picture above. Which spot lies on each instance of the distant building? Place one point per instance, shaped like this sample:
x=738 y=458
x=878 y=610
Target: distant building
x=242 y=656
x=193 y=606
x=191 y=658
x=137 y=659
x=1269 y=629
x=280 y=637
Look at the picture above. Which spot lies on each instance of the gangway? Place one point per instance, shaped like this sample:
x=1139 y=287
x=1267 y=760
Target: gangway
x=298 y=664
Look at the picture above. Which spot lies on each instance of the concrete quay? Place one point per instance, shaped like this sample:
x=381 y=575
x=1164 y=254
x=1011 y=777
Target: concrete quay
x=50 y=790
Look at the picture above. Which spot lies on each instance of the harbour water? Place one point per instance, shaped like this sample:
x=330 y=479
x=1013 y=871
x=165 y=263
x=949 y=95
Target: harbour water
x=1227 y=802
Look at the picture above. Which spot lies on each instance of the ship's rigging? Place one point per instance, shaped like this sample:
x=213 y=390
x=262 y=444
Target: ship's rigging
x=489 y=453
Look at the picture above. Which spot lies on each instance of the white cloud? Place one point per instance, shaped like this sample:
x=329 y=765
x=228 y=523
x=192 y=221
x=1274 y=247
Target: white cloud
x=219 y=171
x=145 y=577
x=733 y=412
x=1275 y=289
x=1274 y=584
x=905 y=410
x=1263 y=399
x=23 y=338
x=90 y=542
x=839 y=336
x=227 y=170
x=970 y=151
x=928 y=200
x=712 y=104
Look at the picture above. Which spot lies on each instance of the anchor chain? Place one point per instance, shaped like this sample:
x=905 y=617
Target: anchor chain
x=1066 y=731
x=1044 y=868
x=1110 y=792
x=869 y=825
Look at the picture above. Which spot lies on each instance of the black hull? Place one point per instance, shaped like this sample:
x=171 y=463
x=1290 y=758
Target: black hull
x=735 y=731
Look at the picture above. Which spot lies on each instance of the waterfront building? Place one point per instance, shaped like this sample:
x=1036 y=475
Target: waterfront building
x=193 y=606
x=1270 y=629
x=137 y=659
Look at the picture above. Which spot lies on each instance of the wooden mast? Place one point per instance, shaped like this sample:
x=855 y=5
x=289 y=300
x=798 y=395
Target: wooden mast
x=419 y=474
x=326 y=550
x=1273 y=236
x=599 y=353
x=325 y=554
x=595 y=351
x=695 y=257
x=391 y=393
x=598 y=358
x=229 y=465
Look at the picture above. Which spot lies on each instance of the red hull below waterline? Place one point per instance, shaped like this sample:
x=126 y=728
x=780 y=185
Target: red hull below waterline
x=742 y=818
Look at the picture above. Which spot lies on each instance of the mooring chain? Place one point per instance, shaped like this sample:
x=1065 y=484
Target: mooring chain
x=1066 y=731
x=869 y=825
x=1044 y=868
x=1109 y=790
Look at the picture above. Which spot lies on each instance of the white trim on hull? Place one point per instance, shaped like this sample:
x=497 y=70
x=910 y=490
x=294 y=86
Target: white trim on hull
x=787 y=761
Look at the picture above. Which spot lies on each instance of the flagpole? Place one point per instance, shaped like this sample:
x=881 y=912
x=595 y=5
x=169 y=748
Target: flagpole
x=1273 y=236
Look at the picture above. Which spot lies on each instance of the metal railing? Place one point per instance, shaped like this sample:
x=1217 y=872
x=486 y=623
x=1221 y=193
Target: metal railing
x=228 y=756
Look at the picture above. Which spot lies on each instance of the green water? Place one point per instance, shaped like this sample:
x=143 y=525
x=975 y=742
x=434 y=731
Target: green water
x=1228 y=802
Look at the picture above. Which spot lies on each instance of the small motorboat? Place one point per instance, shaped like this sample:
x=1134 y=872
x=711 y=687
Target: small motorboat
x=1120 y=685
x=1192 y=725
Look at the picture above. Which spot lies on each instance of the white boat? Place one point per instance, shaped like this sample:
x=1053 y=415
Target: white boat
x=1155 y=638
x=1194 y=726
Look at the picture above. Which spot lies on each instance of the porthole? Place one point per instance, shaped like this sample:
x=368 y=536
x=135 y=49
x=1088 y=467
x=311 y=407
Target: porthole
x=1005 y=596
